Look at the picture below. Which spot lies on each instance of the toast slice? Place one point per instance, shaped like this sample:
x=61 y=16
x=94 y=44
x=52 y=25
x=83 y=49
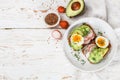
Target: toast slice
x=89 y=37
x=95 y=54
x=86 y=31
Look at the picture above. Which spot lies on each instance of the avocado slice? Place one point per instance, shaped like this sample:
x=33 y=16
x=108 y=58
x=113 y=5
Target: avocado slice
x=77 y=31
x=97 y=55
x=76 y=47
x=75 y=7
x=83 y=30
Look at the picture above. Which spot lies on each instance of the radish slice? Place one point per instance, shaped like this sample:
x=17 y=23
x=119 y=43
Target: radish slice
x=56 y=34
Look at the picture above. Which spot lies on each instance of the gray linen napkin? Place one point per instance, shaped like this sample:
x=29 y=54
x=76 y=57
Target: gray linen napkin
x=111 y=72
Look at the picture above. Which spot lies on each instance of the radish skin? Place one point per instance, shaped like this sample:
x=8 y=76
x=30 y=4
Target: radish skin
x=56 y=34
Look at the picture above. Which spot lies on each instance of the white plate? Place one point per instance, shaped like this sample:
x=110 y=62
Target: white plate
x=99 y=26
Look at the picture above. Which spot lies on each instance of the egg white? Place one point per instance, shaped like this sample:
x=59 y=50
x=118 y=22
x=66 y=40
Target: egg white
x=106 y=42
x=78 y=43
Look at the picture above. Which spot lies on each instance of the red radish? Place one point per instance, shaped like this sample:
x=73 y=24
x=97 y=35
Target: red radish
x=64 y=24
x=61 y=9
x=56 y=34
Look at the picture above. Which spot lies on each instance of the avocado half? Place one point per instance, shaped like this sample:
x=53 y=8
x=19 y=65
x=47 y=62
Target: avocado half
x=75 y=7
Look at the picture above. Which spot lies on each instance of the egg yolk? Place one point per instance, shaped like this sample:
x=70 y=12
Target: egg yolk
x=101 y=42
x=77 y=38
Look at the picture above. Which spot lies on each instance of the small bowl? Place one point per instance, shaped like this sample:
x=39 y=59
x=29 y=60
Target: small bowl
x=51 y=26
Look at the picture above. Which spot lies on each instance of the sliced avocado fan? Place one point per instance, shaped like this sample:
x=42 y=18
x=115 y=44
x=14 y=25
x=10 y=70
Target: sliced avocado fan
x=75 y=7
x=82 y=30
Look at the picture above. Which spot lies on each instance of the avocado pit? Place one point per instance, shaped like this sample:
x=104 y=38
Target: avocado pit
x=75 y=6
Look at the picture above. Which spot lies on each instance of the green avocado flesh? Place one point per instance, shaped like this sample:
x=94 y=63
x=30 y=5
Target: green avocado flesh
x=75 y=7
x=97 y=55
x=82 y=30
x=76 y=47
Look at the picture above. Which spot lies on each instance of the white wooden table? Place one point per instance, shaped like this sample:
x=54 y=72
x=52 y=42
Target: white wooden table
x=27 y=50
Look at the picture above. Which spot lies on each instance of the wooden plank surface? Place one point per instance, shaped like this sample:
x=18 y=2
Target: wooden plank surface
x=26 y=13
x=30 y=13
x=28 y=54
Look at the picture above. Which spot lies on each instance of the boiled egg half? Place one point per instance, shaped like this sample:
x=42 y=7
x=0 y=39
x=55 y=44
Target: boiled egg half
x=102 y=42
x=77 y=39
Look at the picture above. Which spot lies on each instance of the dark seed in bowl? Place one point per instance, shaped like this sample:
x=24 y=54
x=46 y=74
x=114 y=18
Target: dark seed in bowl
x=51 y=19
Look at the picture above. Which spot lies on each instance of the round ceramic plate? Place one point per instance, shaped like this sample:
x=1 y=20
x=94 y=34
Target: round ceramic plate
x=77 y=58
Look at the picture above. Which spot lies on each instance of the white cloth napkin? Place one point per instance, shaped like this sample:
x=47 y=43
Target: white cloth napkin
x=111 y=72
x=113 y=9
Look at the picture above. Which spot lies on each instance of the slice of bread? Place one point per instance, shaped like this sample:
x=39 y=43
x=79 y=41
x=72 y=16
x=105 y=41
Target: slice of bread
x=97 y=54
x=89 y=37
x=86 y=31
